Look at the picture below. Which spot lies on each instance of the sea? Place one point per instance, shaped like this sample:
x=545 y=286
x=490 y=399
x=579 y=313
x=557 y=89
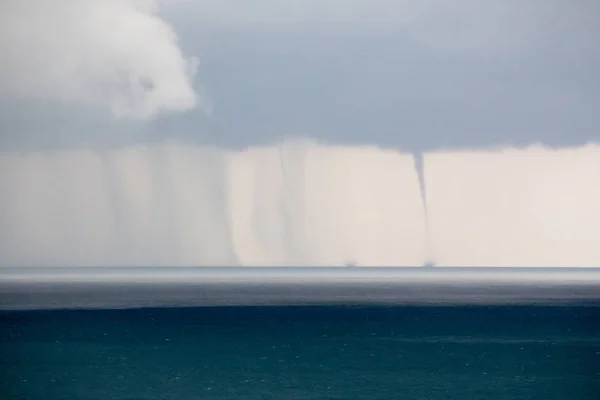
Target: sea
x=312 y=333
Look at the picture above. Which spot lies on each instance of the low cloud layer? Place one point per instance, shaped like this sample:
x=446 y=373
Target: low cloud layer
x=299 y=204
x=531 y=207
x=116 y=55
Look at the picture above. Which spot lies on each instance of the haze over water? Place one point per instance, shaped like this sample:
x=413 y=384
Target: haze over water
x=121 y=287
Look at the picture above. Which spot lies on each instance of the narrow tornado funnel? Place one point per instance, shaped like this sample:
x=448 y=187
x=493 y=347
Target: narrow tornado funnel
x=420 y=168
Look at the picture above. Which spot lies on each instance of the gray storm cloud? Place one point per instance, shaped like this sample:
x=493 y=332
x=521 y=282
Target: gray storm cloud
x=300 y=203
x=112 y=54
x=489 y=28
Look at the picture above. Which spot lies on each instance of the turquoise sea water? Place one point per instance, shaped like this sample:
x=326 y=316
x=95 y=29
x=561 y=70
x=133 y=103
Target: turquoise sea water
x=316 y=352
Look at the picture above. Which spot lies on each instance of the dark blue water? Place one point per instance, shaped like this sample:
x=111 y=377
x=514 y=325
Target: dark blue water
x=327 y=352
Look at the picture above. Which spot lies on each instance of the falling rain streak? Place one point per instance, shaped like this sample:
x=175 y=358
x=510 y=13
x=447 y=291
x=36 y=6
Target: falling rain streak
x=300 y=203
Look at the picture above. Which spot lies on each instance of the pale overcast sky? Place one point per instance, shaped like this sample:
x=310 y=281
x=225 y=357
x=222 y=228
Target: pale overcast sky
x=404 y=74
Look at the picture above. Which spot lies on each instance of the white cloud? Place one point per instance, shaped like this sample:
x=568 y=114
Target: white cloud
x=115 y=54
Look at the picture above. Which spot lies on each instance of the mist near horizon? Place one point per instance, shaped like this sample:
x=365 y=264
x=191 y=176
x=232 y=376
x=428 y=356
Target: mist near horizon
x=300 y=203
x=151 y=287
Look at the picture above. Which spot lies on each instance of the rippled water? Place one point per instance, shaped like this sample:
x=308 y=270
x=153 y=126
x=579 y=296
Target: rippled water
x=316 y=352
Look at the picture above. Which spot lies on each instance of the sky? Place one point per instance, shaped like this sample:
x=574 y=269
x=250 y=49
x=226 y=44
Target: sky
x=405 y=74
x=223 y=132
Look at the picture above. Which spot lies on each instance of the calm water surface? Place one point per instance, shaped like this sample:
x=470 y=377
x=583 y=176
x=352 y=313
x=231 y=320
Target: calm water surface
x=310 y=352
